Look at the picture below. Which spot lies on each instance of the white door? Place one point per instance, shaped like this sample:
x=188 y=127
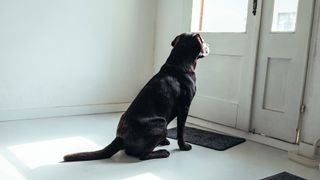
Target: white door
x=281 y=67
x=225 y=77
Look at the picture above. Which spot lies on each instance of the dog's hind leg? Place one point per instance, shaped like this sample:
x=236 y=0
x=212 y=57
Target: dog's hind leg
x=162 y=153
x=150 y=154
x=164 y=142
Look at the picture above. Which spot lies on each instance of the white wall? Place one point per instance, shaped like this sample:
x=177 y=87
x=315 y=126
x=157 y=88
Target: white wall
x=73 y=53
x=170 y=23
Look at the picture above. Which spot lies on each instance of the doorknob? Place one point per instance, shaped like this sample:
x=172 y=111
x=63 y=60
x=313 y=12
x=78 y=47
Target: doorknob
x=254 y=9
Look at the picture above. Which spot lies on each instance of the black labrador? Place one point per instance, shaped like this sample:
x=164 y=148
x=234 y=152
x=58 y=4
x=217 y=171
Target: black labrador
x=167 y=95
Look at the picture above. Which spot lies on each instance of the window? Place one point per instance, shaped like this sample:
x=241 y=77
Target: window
x=219 y=16
x=284 y=15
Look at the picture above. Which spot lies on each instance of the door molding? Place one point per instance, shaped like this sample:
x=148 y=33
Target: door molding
x=245 y=102
x=312 y=55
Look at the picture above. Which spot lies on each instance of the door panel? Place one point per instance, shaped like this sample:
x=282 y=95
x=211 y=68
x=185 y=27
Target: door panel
x=215 y=67
x=223 y=78
x=218 y=78
x=275 y=87
x=281 y=67
x=217 y=110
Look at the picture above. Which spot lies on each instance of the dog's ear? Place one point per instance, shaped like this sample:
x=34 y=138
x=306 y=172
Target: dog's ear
x=200 y=40
x=175 y=41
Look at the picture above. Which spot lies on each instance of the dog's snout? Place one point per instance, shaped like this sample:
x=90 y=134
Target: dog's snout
x=206 y=49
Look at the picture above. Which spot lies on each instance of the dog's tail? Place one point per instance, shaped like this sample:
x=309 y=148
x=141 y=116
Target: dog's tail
x=107 y=152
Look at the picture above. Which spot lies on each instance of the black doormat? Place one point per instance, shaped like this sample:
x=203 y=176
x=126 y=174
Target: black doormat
x=284 y=176
x=207 y=139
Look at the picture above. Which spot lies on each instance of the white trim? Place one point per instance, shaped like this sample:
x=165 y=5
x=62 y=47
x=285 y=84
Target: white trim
x=314 y=32
x=248 y=75
x=313 y=56
x=239 y=133
x=48 y=112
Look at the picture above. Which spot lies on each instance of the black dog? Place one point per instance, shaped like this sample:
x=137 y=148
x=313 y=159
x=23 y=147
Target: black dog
x=166 y=96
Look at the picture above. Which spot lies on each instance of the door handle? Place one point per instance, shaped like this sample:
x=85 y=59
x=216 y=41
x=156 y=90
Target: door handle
x=255 y=5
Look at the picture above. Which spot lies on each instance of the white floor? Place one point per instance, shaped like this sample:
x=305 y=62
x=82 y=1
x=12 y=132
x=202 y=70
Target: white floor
x=32 y=149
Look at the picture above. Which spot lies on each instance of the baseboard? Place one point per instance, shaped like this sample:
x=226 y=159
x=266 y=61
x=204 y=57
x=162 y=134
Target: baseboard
x=239 y=133
x=33 y=113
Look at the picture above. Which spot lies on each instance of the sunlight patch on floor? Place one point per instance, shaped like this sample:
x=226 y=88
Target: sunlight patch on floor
x=144 y=176
x=8 y=171
x=42 y=153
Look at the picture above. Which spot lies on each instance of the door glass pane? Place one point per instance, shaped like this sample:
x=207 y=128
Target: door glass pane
x=284 y=15
x=219 y=15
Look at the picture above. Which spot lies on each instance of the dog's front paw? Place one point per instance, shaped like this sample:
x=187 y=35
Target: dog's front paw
x=185 y=147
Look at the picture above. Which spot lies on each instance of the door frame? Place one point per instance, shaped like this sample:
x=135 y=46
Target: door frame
x=312 y=55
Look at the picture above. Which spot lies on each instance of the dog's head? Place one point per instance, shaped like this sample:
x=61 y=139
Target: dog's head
x=191 y=43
